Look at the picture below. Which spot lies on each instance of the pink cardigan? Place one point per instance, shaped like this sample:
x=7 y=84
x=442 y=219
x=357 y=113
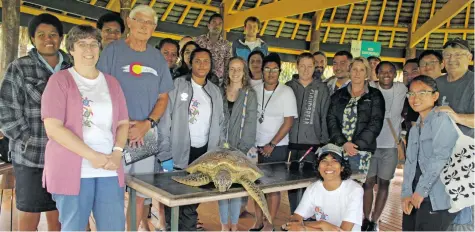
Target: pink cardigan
x=62 y=100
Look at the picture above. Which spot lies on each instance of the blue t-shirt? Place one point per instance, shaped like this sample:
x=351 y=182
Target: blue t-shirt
x=143 y=76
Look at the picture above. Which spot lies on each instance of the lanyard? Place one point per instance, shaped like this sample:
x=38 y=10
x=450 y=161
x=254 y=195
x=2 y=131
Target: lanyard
x=264 y=107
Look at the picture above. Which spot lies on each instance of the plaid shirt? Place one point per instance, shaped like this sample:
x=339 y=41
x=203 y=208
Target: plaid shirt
x=20 y=110
x=221 y=51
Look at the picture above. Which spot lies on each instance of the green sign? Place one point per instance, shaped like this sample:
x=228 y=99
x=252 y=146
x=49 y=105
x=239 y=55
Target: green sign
x=365 y=48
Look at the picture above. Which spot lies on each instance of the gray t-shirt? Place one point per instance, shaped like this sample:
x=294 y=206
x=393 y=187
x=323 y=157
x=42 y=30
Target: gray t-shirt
x=143 y=76
x=394 y=100
x=458 y=95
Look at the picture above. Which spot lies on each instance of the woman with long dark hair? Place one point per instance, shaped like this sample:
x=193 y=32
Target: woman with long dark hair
x=185 y=53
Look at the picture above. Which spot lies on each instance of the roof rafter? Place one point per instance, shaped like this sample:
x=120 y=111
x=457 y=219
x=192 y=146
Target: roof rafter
x=350 y=12
x=380 y=20
x=365 y=16
x=396 y=21
x=283 y=8
x=450 y=9
x=467 y=18
x=432 y=9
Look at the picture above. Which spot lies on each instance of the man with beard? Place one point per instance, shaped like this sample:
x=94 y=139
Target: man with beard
x=219 y=47
x=341 y=70
x=320 y=65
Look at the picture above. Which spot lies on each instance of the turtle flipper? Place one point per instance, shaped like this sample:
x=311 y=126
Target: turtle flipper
x=257 y=195
x=194 y=179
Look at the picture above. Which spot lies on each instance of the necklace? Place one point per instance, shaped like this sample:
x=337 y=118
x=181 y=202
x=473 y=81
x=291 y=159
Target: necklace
x=263 y=107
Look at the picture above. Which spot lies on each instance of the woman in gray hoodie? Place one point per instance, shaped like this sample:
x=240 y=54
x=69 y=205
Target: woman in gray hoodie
x=240 y=111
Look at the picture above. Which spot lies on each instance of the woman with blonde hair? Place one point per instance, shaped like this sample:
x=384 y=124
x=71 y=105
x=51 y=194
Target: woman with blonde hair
x=355 y=117
x=240 y=111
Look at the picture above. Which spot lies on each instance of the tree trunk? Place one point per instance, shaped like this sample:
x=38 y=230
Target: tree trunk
x=10 y=35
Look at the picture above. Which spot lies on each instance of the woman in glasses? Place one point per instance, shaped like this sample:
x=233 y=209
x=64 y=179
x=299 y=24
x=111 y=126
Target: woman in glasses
x=276 y=110
x=424 y=201
x=86 y=120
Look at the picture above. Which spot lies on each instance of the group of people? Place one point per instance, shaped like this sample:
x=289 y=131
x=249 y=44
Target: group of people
x=70 y=117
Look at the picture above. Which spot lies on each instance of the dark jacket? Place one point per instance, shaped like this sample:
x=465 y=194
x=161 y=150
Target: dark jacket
x=369 y=122
x=310 y=128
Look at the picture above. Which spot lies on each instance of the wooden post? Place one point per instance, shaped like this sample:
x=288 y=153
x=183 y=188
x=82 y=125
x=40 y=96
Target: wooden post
x=10 y=33
x=315 y=35
x=125 y=8
x=221 y=11
x=410 y=52
x=24 y=40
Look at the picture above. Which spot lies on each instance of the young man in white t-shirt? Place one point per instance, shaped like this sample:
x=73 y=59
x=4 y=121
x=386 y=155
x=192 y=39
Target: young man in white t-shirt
x=276 y=110
x=385 y=159
x=335 y=200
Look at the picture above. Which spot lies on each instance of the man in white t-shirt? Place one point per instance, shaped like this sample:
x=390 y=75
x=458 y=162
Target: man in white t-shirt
x=335 y=200
x=276 y=110
x=385 y=158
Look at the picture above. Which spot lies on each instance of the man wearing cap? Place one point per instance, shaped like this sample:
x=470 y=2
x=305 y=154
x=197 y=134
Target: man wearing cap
x=457 y=98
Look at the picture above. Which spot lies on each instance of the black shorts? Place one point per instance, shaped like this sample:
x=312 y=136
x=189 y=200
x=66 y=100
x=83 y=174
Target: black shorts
x=30 y=195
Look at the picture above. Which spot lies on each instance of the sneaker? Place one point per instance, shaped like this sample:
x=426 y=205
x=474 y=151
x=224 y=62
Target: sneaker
x=373 y=227
x=365 y=225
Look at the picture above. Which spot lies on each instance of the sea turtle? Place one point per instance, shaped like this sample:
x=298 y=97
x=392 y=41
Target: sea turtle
x=225 y=167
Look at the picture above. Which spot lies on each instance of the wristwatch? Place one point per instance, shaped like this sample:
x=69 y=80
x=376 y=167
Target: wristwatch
x=153 y=123
x=271 y=145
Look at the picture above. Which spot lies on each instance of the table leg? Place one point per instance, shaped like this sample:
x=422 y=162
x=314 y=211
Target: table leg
x=132 y=207
x=299 y=194
x=174 y=218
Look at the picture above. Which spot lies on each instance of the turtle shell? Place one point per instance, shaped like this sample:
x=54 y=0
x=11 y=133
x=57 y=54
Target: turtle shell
x=232 y=160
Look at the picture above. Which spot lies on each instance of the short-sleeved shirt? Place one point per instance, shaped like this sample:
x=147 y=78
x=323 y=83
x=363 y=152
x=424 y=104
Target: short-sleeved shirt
x=342 y=204
x=143 y=76
x=282 y=104
x=459 y=95
x=394 y=99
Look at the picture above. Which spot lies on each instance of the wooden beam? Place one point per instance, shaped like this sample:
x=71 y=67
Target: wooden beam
x=350 y=11
x=415 y=15
x=396 y=21
x=380 y=20
x=432 y=9
x=113 y=5
x=240 y=4
x=202 y=13
x=184 y=14
x=125 y=8
x=228 y=6
x=450 y=9
x=467 y=19
x=446 y=35
x=315 y=31
x=284 y=8
x=93 y=2
x=167 y=11
x=194 y=5
x=263 y=29
x=132 y=4
x=327 y=31
x=296 y=28
x=281 y=26
x=10 y=33
x=365 y=16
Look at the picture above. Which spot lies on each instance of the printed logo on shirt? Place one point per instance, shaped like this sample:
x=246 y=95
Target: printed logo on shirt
x=310 y=105
x=136 y=69
x=184 y=97
x=86 y=112
x=194 y=112
x=320 y=215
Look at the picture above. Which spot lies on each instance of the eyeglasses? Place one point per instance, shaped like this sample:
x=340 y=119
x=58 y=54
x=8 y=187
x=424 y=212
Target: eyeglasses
x=457 y=55
x=271 y=70
x=420 y=94
x=93 y=45
x=429 y=63
x=146 y=22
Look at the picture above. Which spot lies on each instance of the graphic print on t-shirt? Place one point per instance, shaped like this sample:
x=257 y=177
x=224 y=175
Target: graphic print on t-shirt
x=136 y=69
x=194 y=112
x=320 y=215
x=87 y=111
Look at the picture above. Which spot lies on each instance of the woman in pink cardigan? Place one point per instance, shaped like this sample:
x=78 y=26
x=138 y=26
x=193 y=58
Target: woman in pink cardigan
x=86 y=120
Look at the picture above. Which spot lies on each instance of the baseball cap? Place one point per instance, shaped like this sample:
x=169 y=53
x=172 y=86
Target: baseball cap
x=334 y=150
x=460 y=42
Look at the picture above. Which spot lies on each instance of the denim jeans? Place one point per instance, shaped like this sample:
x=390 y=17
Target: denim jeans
x=232 y=206
x=102 y=196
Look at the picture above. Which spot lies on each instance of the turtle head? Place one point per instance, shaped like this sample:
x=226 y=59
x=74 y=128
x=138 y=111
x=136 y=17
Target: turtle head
x=222 y=180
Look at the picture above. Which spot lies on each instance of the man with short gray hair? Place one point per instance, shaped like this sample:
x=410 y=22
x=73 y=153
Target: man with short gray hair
x=145 y=79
